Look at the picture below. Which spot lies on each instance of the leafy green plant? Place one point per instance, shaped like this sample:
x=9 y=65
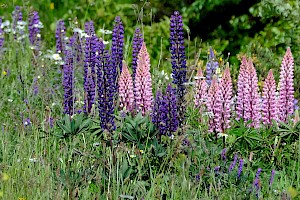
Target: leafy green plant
x=69 y=126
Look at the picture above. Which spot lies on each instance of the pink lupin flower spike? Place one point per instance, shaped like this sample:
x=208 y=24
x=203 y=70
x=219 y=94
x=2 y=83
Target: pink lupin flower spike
x=126 y=89
x=200 y=89
x=269 y=102
x=143 y=82
x=286 y=87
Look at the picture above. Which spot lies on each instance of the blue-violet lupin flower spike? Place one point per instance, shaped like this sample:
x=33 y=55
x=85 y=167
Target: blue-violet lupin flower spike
x=172 y=108
x=211 y=66
x=240 y=170
x=60 y=35
x=16 y=18
x=136 y=46
x=117 y=44
x=90 y=62
x=256 y=181
x=232 y=165
x=155 y=113
x=1 y=35
x=272 y=177
x=68 y=82
x=34 y=29
x=223 y=154
x=106 y=89
x=178 y=61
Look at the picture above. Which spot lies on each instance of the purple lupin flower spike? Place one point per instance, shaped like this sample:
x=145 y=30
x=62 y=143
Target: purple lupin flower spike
x=269 y=102
x=223 y=154
x=117 y=44
x=34 y=29
x=256 y=183
x=17 y=18
x=136 y=47
x=76 y=45
x=68 y=83
x=211 y=66
x=286 y=87
x=106 y=89
x=240 y=170
x=232 y=165
x=1 y=35
x=272 y=177
x=165 y=112
x=178 y=61
x=60 y=35
x=90 y=63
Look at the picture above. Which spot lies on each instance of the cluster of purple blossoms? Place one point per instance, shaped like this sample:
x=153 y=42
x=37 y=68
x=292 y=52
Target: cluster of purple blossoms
x=233 y=164
x=90 y=64
x=76 y=44
x=256 y=182
x=34 y=28
x=1 y=35
x=211 y=66
x=117 y=45
x=60 y=35
x=240 y=170
x=164 y=114
x=68 y=79
x=178 y=61
x=17 y=19
x=106 y=88
x=136 y=47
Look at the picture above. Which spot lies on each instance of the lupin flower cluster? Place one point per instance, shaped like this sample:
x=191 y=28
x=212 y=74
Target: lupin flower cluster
x=211 y=66
x=34 y=29
x=136 y=47
x=178 y=61
x=165 y=115
x=60 y=35
x=68 y=82
x=17 y=21
x=1 y=35
x=90 y=64
x=126 y=95
x=143 y=82
x=269 y=101
x=200 y=89
x=117 y=44
x=286 y=87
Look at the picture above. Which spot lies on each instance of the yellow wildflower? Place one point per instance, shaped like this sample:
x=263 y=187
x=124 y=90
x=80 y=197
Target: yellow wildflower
x=51 y=6
x=4 y=73
x=4 y=177
x=141 y=151
x=220 y=59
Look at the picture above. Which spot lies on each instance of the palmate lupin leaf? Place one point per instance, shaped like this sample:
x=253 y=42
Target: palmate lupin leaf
x=72 y=126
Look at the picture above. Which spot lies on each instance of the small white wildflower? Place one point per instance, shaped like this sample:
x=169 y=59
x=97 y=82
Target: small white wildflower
x=26 y=123
x=107 y=32
x=172 y=137
x=38 y=77
x=105 y=42
x=9 y=100
x=53 y=104
x=21 y=23
x=38 y=35
x=56 y=57
x=5 y=24
x=62 y=30
x=33 y=160
x=222 y=135
x=199 y=77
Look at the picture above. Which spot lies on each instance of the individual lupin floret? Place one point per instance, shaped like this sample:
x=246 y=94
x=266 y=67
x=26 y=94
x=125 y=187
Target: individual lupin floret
x=211 y=66
x=34 y=29
x=200 y=89
x=178 y=61
x=126 y=89
x=136 y=46
x=143 y=82
x=269 y=104
x=286 y=87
